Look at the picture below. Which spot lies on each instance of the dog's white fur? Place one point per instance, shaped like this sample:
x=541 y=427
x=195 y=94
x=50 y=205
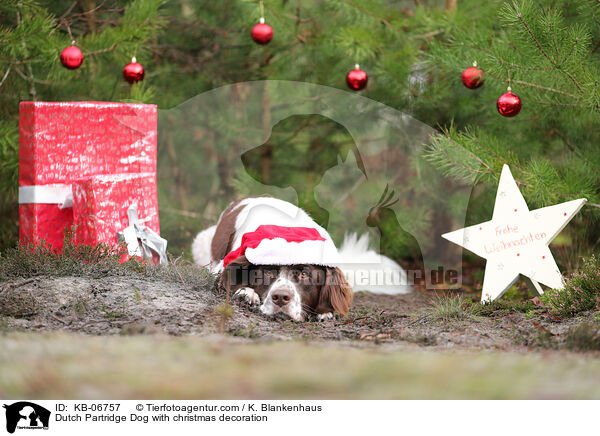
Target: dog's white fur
x=248 y=295
x=294 y=307
x=383 y=275
x=201 y=247
x=283 y=281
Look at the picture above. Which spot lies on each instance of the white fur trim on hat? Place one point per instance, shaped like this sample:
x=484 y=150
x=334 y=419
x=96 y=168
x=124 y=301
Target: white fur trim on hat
x=278 y=251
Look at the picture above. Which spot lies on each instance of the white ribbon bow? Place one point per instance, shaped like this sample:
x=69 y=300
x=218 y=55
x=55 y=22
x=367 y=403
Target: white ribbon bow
x=141 y=240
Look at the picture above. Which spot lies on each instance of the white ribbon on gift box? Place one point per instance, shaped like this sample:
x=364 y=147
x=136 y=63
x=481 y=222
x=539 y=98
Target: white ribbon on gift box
x=47 y=194
x=141 y=240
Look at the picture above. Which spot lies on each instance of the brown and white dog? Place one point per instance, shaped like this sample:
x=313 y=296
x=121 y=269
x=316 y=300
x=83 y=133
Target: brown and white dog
x=272 y=254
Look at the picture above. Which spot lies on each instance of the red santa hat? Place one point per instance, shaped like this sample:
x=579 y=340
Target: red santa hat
x=279 y=245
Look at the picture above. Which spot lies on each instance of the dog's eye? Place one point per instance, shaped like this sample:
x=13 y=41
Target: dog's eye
x=303 y=275
x=269 y=274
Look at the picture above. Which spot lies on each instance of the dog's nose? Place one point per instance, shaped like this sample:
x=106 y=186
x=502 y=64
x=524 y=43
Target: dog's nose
x=281 y=297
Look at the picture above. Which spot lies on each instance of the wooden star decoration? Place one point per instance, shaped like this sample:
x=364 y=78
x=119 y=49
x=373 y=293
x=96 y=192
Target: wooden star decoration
x=516 y=240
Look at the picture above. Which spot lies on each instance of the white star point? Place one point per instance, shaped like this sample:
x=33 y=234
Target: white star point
x=516 y=240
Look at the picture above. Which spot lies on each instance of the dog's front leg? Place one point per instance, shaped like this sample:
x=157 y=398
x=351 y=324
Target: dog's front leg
x=325 y=316
x=248 y=295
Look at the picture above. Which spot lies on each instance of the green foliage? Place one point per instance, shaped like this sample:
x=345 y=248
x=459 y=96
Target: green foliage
x=102 y=260
x=547 y=54
x=74 y=259
x=448 y=309
x=581 y=292
x=32 y=34
x=413 y=53
x=503 y=307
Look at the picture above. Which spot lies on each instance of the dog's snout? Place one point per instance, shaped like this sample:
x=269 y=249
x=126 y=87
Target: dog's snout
x=281 y=297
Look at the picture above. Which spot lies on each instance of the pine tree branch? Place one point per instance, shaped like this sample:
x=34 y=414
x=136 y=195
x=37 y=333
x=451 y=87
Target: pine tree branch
x=68 y=11
x=595 y=94
x=571 y=52
x=5 y=76
x=30 y=78
x=554 y=42
x=473 y=170
x=535 y=40
x=496 y=155
x=366 y=11
x=428 y=35
x=505 y=62
x=549 y=103
x=571 y=146
x=573 y=79
x=300 y=38
x=104 y=50
x=534 y=85
x=298 y=9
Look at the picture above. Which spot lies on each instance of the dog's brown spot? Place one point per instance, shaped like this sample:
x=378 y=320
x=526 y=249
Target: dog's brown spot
x=235 y=275
x=221 y=243
x=336 y=294
x=225 y=231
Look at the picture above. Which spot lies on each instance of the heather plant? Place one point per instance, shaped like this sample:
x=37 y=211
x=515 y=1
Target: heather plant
x=96 y=261
x=581 y=292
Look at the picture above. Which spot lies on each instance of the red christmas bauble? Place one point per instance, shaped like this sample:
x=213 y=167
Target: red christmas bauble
x=357 y=79
x=71 y=57
x=472 y=77
x=133 y=72
x=262 y=33
x=509 y=104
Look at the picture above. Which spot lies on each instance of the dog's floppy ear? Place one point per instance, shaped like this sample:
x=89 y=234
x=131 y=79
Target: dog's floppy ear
x=336 y=293
x=235 y=275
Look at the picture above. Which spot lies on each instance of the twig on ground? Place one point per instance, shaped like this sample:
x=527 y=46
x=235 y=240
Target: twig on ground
x=8 y=286
x=58 y=319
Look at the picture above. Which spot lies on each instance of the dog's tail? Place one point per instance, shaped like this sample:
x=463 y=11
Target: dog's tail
x=201 y=247
x=366 y=270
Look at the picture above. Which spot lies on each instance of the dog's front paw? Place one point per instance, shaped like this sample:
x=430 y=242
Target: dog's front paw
x=325 y=316
x=248 y=295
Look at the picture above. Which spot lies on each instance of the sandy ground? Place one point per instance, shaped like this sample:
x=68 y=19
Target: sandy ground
x=122 y=305
x=122 y=337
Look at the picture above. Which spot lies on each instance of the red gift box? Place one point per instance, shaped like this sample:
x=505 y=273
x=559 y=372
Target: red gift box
x=61 y=143
x=100 y=206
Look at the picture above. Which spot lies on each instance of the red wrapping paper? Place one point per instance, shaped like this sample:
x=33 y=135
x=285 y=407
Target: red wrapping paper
x=64 y=142
x=100 y=206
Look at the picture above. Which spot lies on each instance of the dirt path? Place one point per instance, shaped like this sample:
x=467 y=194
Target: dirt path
x=125 y=337
x=123 y=305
